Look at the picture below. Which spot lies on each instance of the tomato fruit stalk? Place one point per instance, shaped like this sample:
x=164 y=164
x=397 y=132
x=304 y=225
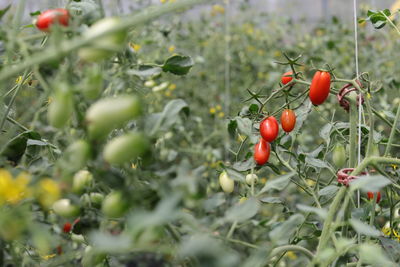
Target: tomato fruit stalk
x=286 y=77
x=52 y=16
x=288 y=120
x=269 y=129
x=261 y=152
x=320 y=87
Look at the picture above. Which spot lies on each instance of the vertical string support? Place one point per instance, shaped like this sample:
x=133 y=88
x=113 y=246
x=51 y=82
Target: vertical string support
x=227 y=81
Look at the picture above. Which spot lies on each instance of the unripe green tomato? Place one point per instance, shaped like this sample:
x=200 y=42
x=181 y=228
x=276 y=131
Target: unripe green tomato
x=92 y=199
x=61 y=107
x=64 y=208
x=226 y=183
x=78 y=238
x=339 y=155
x=76 y=155
x=82 y=180
x=125 y=148
x=113 y=205
x=110 y=113
x=251 y=178
x=91 y=257
x=105 y=46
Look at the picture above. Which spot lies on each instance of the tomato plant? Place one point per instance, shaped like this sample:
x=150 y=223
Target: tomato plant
x=269 y=129
x=286 y=77
x=52 y=16
x=320 y=87
x=288 y=120
x=261 y=152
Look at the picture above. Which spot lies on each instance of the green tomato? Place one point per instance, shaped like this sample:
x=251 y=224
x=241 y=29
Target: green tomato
x=125 y=148
x=110 y=113
x=226 y=183
x=251 y=178
x=92 y=85
x=61 y=107
x=65 y=208
x=76 y=155
x=92 y=199
x=91 y=257
x=339 y=155
x=375 y=150
x=105 y=46
x=82 y=180
x=113 y=205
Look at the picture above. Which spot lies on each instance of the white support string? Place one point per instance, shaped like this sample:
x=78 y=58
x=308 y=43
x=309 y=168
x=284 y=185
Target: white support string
x=227 y=81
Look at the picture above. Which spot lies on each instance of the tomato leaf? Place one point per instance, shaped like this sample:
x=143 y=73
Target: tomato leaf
x=243 y=211
x=322 y=213
x=178 y=64
x=145 y=71
x=278 y=183
x=369 y=183
x=281 y=234
x=4 y=11
x=374 y=255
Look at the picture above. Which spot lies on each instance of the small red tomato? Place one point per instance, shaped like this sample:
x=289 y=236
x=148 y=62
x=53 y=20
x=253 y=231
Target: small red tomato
x=320 y=87
x=269 y=129
x=371 y=196
x=50 y=17
x=285 y=79
x=261 y=152
x=288 y=120
x=67 y=227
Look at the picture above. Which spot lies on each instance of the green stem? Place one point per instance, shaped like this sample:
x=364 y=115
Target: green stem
x=392 y=132
x=353 y=131
x=56 y=52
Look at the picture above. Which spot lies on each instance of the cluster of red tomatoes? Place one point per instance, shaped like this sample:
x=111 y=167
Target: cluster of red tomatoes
x=52 y=16
x=269 y=127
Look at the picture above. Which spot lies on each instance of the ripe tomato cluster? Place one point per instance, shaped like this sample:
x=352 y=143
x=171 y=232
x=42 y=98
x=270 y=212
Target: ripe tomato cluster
x=52 y=16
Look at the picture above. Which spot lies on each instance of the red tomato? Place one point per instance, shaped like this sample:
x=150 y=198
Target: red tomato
x=59 y=250
x=261 y=152
x=50 y=17
x=371 y=196
x=320 y=87
x=269 y=129
x=288 y=120
x=285 y=79
x=67 y=227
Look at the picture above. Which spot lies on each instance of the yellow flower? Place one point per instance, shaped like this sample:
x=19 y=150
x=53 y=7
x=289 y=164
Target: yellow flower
x=49 y=100
x=263 y=180
x=221 y=114
x=13 y=190
x=291 y=255
x=394 y=166
x=218 y=107
x=18 y=80
x=242 y=199
x=134 y=166
x=310 y=182
x=217 y=9
x=135 y=47
x=163 y=1
x=212 y=110
x=277 y=53
x=47 y=257
x=172 y=87
x=167 y=93
x=171 y=49
x=48 y=192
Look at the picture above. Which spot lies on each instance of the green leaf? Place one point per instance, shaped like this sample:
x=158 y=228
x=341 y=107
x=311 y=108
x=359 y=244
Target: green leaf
x=178 y=64
x=369 y=183
x=391 y=247
x=281 y=234
x=243 y=211
x=235 y=175
x=329 y=190
x=244 y=125
x=316 y=162
x=253 y=108
x=168 y=117
x=364 y=229
x=145 y=71
x=244 y=165
x=4 y=11
x=322 y=213
x=278 y=183
x=374 y=255
x=105 y=242
x=215 y=201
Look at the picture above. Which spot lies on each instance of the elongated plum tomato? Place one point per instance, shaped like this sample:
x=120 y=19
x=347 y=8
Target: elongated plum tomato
x=320 y=87
x=67 y=227
x=288 y=120
x=50 y=17
x=261 y=152
x=371 y=196
x=285 y=79
x=269 y=129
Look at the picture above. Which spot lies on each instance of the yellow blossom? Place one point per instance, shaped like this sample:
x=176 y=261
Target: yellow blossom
x=291 y=255
x=394 y=166
x=134 y=166
x=263 y=180
x=167 y=93
x=47 y=257
x=221 y=114
x=135 y=47
x=172 y=87
x=48 y=192
x=212 y=110
x=13 y=190
x=171 y=49
x=163 y=1
x=242 y=199
x=217 y=9
x=18 y=80
x=218 y=107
